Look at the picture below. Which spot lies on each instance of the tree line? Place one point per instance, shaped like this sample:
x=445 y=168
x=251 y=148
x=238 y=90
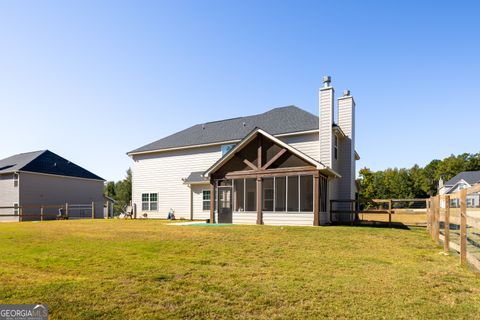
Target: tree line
x=120 y=191
x=416 y=182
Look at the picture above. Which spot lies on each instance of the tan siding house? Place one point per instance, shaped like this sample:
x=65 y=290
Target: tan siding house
x=280 y=167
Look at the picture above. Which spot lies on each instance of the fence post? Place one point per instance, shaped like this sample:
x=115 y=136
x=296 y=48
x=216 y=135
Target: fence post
x=66 y=210
x=463 y=227
x=429 y=223
x=446 y=233
x=437 y=220
x=390 y=212
x=432 y=217
x=41 y=213
x=93 y=210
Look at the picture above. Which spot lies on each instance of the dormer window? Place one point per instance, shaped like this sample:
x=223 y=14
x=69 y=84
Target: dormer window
x=335 y=147
x=15 y=180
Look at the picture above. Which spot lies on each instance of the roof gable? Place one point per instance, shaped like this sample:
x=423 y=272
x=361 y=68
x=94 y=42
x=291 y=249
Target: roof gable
x=45 y=162
x=276 y=121
x=250 y=137
x=471 y=177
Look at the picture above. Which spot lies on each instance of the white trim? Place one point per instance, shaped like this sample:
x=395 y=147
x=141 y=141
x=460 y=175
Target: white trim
x=456 y=184
x=60 y=176
x=132 y=153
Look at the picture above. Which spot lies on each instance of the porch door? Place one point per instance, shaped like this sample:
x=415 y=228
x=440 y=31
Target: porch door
x=225 y=204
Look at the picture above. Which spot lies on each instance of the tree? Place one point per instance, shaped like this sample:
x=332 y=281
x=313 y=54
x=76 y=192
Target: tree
x=120 y=191
x=415 y=182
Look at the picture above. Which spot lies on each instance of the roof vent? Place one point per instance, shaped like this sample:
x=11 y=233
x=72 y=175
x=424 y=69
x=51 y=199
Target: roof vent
x=203 y=127
x=244 y=124
x=346 y=93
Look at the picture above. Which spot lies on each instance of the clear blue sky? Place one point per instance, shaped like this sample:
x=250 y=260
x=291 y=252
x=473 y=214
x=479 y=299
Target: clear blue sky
x=91 y=80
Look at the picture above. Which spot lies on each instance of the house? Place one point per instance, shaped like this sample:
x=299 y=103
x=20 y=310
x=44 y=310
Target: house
x=42 y=178
x=281 y=167
x=463 y=180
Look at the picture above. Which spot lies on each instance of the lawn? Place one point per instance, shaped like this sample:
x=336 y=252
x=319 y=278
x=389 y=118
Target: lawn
x=147 y=269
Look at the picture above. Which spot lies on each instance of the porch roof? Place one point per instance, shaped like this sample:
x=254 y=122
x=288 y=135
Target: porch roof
x=229 y=155
x=196 y=177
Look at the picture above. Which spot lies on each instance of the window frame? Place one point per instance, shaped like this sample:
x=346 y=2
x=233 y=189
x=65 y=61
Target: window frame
x=209 y=199
x=149 y=201
x=16 y=209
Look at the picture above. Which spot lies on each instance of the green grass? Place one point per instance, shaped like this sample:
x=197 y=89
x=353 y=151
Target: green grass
x=147 y=269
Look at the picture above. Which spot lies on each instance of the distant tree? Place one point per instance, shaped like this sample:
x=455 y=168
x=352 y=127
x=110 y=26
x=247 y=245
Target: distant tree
x=109 y=189
x=120 y=191
x=415 y=182
x=123 y=192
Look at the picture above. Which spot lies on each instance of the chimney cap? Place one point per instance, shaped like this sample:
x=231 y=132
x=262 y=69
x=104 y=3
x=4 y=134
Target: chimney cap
x=346 y=93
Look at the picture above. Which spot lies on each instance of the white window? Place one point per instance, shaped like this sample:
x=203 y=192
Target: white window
x=335 y=147
x=15 y=180
x=15 y=209
x=206 y=200
x=149 y=202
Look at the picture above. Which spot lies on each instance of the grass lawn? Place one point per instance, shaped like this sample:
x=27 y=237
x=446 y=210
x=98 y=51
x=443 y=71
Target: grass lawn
x=147 y=269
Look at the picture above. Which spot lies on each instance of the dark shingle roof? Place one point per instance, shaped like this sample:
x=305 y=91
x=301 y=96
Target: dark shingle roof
x=471 y=177
x=276 y=121
x=44 y=161
x=196 y=176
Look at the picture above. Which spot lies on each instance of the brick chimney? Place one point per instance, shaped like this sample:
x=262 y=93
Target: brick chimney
x=326 y=96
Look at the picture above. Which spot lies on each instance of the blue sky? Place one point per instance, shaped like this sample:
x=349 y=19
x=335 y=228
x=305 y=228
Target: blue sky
x=92 y=80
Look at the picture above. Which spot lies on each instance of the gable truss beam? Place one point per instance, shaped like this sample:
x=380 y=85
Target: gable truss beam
x=246 y=161
x=275 y=158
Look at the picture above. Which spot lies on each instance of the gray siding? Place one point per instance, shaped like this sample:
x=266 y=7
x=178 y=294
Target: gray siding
x=325 y=126
x=41 y=189
x=346 y=121
x=8 y=195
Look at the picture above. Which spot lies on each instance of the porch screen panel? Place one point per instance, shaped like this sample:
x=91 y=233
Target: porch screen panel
x=306 y=193
x=280 y=193
x=250 y=195
x=239 y=195
x=267 y=194
x=292 y=194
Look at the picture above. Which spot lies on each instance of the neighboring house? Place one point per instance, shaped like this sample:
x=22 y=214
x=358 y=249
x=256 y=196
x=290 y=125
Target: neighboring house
x=42 y=178
x=463 y=180
x=280 y=167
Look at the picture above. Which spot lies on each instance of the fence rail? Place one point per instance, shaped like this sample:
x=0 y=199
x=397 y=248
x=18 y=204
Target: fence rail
x=48 y=212
x=456 y=224
x=406 y=211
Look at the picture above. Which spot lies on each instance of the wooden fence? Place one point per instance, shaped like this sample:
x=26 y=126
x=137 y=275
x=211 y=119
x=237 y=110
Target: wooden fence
x=47 y=212
x=453 y=220
x=405 y=211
